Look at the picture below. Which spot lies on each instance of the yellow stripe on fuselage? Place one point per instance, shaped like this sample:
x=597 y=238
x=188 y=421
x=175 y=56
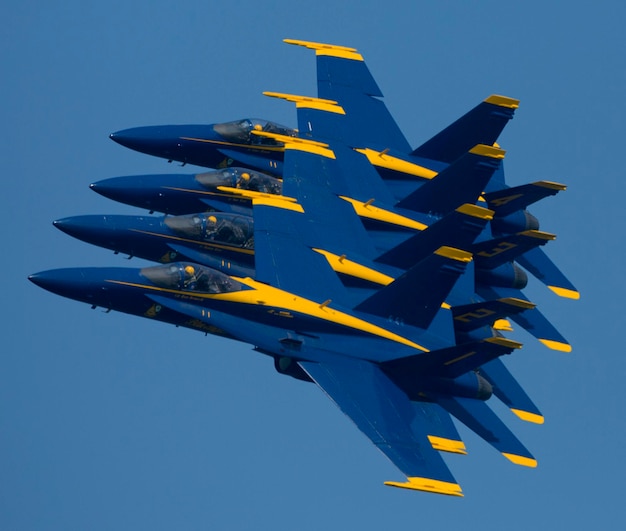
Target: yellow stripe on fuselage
x=263 y=295
x=197 y=242
x=252 y=194
x=232 y=144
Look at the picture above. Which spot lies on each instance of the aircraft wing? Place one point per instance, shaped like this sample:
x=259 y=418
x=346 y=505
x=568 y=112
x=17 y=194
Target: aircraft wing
x=387 y=417
x=343 y=76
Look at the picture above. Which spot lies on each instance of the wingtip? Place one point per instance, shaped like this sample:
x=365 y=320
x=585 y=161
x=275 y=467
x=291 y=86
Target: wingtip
x=556 y=345
x=503 y=101
x=522 y=460
x=535 y=418
x=428 y=485
x=565 y=292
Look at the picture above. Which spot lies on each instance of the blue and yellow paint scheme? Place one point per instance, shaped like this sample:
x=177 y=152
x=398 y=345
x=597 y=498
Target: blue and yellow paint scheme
x=210 y=145
x=226 y=190
x=215 y=239
x=384 y=274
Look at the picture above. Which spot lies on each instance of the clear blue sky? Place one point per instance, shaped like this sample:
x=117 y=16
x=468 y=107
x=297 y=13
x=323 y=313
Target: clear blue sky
x=109 y=421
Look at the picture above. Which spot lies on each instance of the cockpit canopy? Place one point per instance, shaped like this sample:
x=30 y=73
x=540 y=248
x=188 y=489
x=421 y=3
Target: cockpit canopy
x=186 y=276
x=241 y=178
x=232 y=230
x=240 y=131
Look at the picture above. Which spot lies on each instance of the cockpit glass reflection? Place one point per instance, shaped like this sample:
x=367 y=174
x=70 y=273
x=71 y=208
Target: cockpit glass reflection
x=241 y=178
x=232 y=230
x=191 y=277
x=240 y=131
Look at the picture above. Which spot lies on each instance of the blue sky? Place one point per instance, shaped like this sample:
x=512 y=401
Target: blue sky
x=110 y=421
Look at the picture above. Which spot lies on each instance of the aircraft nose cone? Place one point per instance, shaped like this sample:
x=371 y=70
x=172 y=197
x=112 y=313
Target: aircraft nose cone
x=160 y=141
x=130 y=138
x=120 y=188
x=57 y=281
x=91 y=229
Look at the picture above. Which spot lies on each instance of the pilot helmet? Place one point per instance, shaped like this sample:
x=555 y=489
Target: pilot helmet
x=190 y=270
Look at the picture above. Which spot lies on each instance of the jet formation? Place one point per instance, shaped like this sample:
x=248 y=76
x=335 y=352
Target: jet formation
x=387 y=275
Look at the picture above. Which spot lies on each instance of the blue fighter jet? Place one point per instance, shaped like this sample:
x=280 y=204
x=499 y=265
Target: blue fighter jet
x=212 y=146
x=387 y=296
x=226 y=190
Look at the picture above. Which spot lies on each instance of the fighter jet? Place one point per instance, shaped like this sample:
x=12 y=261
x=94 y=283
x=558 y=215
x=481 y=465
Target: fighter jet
x=371 y=296
x=212 y=146
x=222 y=241
x=226 y=190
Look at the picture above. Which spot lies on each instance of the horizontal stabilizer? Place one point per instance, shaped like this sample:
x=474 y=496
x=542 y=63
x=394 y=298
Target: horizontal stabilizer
x=211 y=260
x=385 y=415
x=540 y=266
x=473 y=316
x=450 y=362
x=508 y=200
x=461 y=182
x=457 y=229
x=482 y=125
x=479 y=418
x=532 y=320
x=506 y=388
x=494 y=253
x=416 y=296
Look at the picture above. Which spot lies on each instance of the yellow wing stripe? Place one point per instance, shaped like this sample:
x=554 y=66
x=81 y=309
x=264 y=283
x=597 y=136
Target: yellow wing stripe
x=564 y=292
x=528 y=417
x=556 y=345
x=428 y=485
x=447 y=445
x=503 y=101
x=262 y=294
x=299 y=144
x=251 y=194
x=271 y=201
x=341 y=264
x=367 y=210
x=332 y=50
x=521 y=460
x=382 y=160
x=306 y=102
